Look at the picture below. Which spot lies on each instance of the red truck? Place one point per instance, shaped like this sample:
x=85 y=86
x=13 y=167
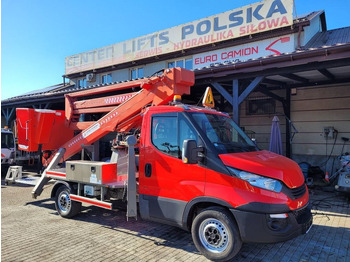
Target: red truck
x=183 y=165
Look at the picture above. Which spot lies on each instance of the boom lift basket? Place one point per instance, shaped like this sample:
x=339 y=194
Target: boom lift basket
x=41 y=127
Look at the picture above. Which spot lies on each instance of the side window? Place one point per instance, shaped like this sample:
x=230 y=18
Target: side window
x=164 y=135
x=186 y=132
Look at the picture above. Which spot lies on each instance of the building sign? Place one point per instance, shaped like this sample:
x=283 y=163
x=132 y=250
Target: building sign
x=255 y=18
x=241 y=53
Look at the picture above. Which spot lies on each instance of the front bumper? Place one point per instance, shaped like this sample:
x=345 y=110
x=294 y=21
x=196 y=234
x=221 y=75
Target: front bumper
x=262 y=228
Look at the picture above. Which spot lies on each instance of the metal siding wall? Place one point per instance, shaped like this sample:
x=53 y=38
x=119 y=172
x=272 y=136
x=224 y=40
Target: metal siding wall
x=124 y=74
x=316 y=108
x=74 y=80
x=154 y=67
x=120 y=75
x=261 y=124
x=312 y=109
x=310 y=31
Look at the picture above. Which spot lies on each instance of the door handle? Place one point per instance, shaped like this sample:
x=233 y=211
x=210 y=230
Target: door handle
x=148 y=170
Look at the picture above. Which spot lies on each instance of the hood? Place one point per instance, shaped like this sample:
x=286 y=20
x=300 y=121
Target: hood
x=267 y=164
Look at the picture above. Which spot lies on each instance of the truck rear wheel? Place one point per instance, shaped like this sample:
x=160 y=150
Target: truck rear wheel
x=64 y=205
x=215 y=234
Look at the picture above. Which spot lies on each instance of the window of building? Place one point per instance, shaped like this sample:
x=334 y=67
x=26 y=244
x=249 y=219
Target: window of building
x=188 y=64
x=82 y=82
x=184 y=63
x=136 y=73
x=261 y=106
x=106 y=79
x=180 y=63
x=171 y=64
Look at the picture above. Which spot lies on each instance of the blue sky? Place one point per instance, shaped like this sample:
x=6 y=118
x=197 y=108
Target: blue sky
x=37 y=35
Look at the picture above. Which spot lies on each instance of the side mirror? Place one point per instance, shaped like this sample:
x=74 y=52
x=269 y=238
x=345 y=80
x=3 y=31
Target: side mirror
x=190 y=152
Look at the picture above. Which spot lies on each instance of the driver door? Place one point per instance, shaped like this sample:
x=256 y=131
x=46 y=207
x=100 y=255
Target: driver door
x=168 y=184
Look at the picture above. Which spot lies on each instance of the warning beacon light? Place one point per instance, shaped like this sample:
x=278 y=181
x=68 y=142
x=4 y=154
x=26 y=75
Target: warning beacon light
x=177 y=99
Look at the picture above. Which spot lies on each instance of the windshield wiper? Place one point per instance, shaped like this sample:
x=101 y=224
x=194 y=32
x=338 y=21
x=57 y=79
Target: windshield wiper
x=243 y=148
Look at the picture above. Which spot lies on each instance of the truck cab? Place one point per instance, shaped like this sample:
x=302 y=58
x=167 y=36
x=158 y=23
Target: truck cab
x=198 y=170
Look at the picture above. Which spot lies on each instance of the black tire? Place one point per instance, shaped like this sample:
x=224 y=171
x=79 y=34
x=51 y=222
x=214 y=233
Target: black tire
x=64 y=205
x=215 y=234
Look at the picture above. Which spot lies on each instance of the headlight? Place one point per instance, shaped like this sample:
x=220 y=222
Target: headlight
x=258 y=181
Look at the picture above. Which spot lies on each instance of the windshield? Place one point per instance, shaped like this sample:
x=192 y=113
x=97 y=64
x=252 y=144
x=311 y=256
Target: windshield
x=223 y=133
x=7 y=140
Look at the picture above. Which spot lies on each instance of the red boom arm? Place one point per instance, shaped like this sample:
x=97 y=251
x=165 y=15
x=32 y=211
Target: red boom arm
x=158 y=90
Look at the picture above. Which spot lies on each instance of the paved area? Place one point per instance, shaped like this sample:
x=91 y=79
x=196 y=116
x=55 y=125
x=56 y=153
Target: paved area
x=31 y=230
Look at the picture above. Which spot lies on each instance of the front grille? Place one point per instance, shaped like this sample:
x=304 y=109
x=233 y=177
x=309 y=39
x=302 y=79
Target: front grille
x=300 y=213
x=303 y=215
x=298 y=192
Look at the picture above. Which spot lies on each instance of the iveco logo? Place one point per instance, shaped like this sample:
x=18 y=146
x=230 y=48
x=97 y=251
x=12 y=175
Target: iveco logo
x=300 y=204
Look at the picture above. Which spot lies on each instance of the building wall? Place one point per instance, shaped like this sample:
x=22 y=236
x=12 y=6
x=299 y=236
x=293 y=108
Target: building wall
x=150 y=69
x=313 y=109
x=118 y=75
x=124 y=74
x=309 y=31
x=261 y=124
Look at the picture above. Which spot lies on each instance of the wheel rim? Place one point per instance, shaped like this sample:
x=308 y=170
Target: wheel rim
x=213 y=235
x=64 y=202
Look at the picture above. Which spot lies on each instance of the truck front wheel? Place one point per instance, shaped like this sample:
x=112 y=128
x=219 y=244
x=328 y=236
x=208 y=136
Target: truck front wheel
x=215 y=234
x=64 y=205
